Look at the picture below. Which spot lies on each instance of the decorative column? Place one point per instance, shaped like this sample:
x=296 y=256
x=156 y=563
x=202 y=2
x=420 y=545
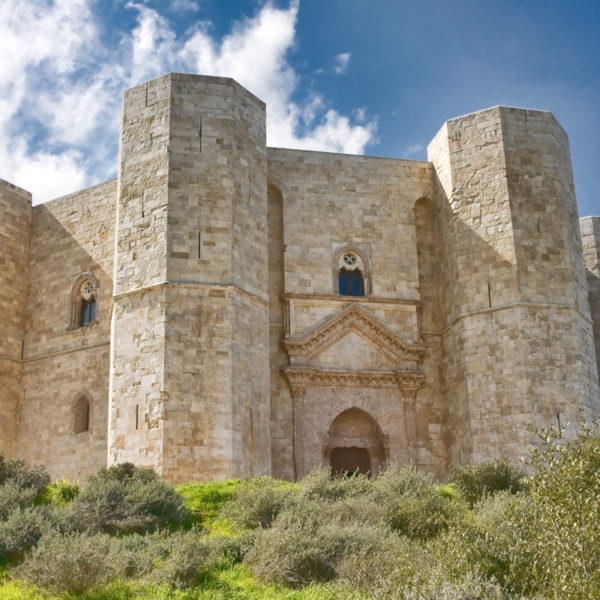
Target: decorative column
x=410 y=383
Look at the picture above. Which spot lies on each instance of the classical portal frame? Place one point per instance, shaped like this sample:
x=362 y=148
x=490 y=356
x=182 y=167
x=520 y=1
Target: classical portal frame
x=405 y=379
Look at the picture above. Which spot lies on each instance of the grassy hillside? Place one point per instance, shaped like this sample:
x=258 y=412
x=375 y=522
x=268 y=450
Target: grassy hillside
x=489 y=533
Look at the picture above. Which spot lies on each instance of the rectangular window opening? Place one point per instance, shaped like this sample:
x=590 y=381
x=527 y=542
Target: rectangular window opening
x=199 y=244
x=137 y=416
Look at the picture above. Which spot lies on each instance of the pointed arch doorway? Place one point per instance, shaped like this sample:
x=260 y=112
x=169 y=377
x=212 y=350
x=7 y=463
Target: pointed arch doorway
x=355 y=444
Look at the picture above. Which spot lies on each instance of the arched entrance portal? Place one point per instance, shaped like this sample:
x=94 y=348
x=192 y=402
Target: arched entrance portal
x=355 y=443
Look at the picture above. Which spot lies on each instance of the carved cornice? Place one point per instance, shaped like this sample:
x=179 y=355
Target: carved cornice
x=400 y=302
x=301 y=377
x=353 y=317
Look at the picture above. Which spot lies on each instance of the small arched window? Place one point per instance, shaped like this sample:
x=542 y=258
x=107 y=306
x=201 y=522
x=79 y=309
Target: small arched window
x=81 y=415
x=351 y=275
x=84 y=301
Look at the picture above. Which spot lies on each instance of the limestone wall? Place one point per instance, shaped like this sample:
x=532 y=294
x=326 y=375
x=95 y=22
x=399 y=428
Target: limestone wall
x=15 y=230
x=590 y=234
x=70 y=236
x=332 y=200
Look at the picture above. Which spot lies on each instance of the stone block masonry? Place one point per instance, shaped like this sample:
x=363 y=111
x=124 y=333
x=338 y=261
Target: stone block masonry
x=224 y=309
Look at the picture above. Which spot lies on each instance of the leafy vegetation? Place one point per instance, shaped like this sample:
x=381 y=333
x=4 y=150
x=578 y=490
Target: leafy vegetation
x=490 y=533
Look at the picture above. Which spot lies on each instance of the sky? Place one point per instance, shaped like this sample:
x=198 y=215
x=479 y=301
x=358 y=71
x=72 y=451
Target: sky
x=376 y=77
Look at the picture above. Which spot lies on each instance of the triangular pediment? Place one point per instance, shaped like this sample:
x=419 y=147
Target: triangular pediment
x=354 y=351
x=353 y=319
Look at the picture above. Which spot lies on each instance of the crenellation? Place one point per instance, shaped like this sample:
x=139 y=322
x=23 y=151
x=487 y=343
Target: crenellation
x=225 y=309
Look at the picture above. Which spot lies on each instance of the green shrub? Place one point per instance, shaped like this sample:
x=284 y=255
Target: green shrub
x=189 y=555
x=320 y=485
x=412 y=504
x=565 y=489
x=492 y=542
x=127 y=499
x=134 y=556
x=20 y=486
x=257 y=503
x=35 y=478
x=13 y=497
x=22 y=530
x=61 y=492
x=380 y=569
x=72 y=563
x=307 y=542
x=476 y=481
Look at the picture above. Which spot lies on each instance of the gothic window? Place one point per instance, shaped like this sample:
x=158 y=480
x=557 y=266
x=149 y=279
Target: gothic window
x=81 y=415
x=351 y=275
x=84 y=301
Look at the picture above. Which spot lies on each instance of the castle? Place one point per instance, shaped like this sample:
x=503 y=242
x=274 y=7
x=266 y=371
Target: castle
x=224 y=309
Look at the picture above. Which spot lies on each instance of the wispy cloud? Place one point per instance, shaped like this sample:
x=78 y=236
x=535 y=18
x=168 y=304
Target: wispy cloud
x=414 y=150
x=341 y=62
x=184 y=6
x=61 y=86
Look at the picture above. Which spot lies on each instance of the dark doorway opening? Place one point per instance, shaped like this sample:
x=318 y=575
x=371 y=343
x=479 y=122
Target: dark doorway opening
x=350 y=460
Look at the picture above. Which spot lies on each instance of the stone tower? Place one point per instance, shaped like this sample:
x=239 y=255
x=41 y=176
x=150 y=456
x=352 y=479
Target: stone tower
x=517 y=338
x=189 y=377
x=15 y=225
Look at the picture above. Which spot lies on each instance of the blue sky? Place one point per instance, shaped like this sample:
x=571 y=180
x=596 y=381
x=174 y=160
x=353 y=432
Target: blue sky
x=361 y=76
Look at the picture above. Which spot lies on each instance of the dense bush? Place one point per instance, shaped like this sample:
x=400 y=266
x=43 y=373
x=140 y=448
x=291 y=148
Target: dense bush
x=565 y=489
x=307 y=543
x=35 y=478
x=61 y=492
x=257 y=503
x=72 y=563
x=21 y=523
x=127 y=499
x=21 y=530
x=320 y=485
x=412 y=504
x=477 y=480
x=20 y=486
x=189 y=554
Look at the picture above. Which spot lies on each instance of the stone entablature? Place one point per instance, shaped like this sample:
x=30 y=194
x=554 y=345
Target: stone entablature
x=227 y=309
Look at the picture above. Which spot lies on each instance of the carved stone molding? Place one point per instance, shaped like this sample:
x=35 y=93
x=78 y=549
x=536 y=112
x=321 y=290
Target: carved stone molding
x=301 y=377
x=353 y=317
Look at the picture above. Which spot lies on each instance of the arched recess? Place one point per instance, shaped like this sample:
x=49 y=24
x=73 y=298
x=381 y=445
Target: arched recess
x=355 y=442
x=429 y=256
x=348 y=261
x=81 y=415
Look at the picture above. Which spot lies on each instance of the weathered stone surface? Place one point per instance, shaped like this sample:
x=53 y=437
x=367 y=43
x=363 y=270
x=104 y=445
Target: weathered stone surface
x=221 y=345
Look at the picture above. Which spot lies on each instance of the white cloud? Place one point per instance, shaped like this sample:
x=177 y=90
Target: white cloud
x=341 y=62
x=61 y=86
x=184 y=6
x=414 y=150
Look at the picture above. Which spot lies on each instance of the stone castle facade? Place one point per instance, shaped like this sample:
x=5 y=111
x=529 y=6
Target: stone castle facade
x=224 y=309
